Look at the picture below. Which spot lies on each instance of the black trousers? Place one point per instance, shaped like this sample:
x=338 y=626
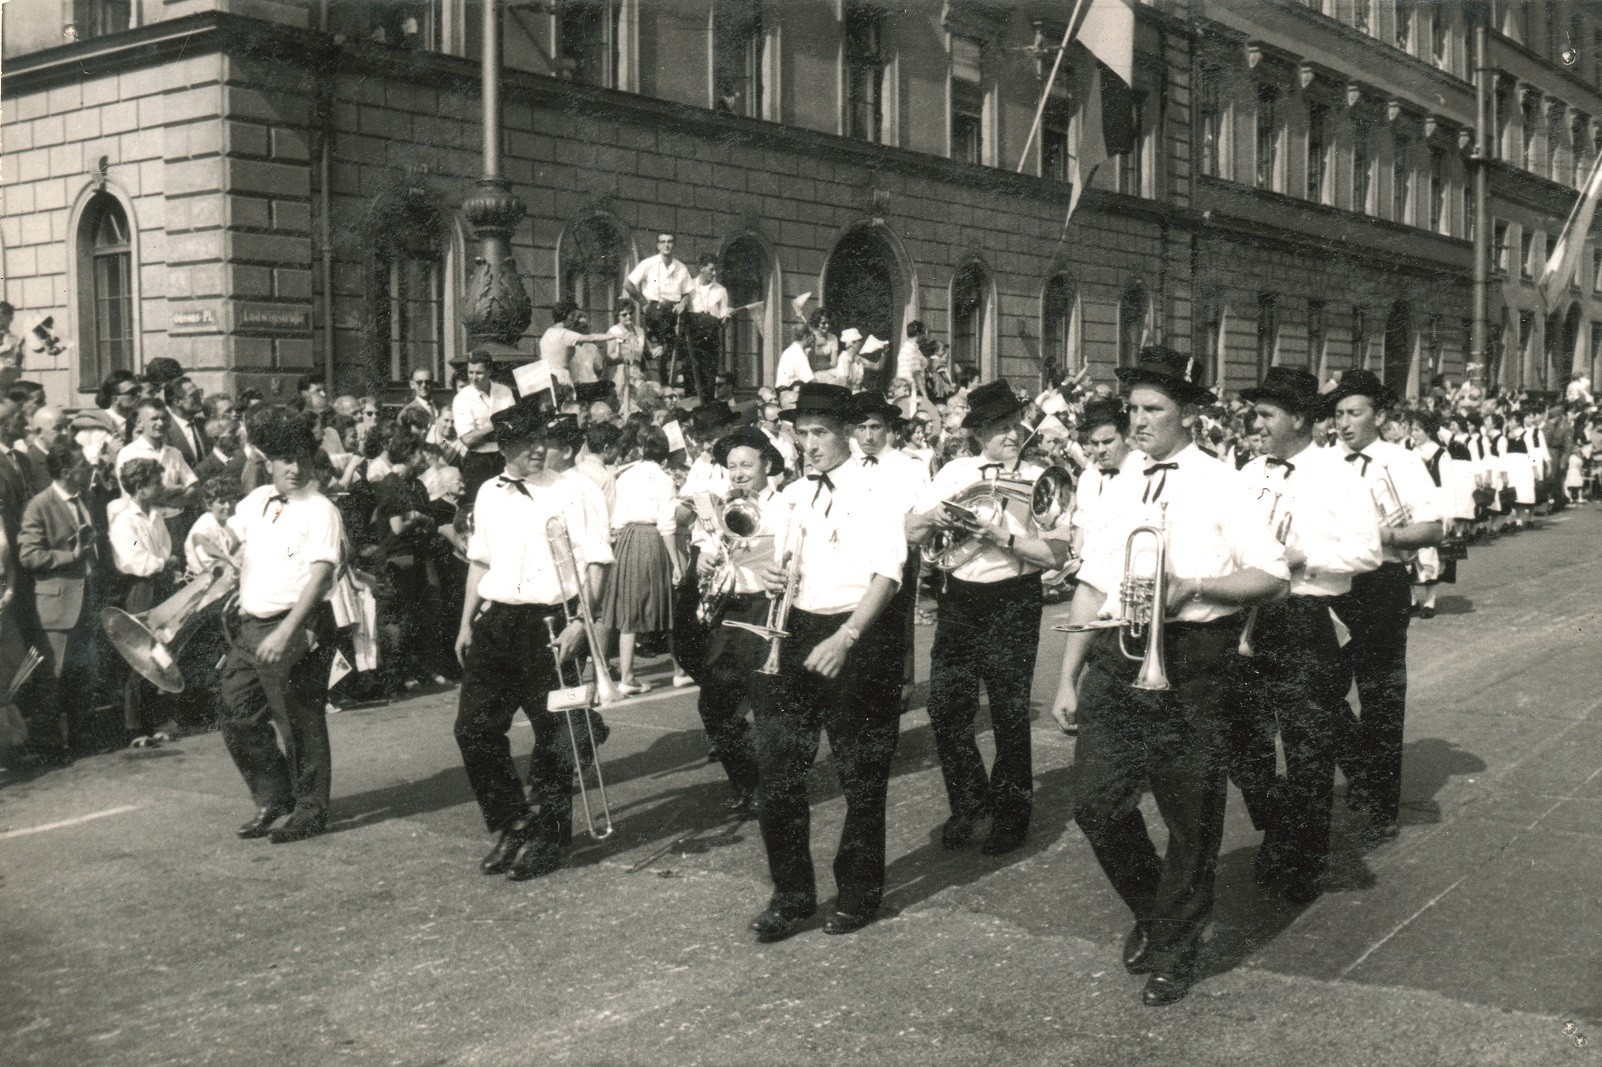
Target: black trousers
x=1376 y=613
x=478 y=468
x=989 y=634
x=1178 y=741
x=660 y=322
x=706 y=342
x=291 y=695
x=1294 y=685
x=509 y=666
x=859 y=709
x=732 y=657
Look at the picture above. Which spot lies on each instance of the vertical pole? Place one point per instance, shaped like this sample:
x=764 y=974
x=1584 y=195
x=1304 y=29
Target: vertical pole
x=1483 y=226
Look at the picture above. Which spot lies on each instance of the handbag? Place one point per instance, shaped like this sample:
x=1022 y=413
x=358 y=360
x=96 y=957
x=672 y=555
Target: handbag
x=1506 y=498
x=1453 y=549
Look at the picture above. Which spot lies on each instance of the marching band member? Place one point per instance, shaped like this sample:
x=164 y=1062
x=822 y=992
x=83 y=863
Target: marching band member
x=839 y=671
x=1106 y=426
x=988 y=631
x=733 y=655
x=280 y=646
x=1220 y=557
x=1318 y=507
x=513 y=586
x=1375 y=611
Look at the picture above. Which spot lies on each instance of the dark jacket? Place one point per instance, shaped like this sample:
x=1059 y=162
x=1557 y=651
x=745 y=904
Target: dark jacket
x=51 y=548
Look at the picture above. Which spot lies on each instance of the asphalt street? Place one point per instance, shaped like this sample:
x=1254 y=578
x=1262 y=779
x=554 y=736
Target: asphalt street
x=135 y=928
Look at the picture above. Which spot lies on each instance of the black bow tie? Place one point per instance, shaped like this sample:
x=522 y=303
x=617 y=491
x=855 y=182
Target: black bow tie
x=997 y=467
x=1111 y=473
x=277 y=498
x=823 y=481
x=1275 y=461
x=1154 y=493
x=1355 y=456
x=870 y=461
x=514 y=483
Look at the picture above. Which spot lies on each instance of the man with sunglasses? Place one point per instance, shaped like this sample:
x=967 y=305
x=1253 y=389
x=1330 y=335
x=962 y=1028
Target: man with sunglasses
x=422 y=382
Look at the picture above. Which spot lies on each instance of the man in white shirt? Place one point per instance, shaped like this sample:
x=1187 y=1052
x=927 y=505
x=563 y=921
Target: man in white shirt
x=179 y=490
x=989 y=627
x=1376 y=610
x=1294 y=680
x=661 y=285
x=566 y=332
x=280 y=645
x=839 y=671
x=472 y=409
x=709 y=310
x=1220 y=557
x=795 y=362
x=517 y=598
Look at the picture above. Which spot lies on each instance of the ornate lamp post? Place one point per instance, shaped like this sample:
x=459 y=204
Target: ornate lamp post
x=496 y=310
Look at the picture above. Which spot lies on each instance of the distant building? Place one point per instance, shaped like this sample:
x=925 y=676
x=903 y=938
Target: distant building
x=261 y=188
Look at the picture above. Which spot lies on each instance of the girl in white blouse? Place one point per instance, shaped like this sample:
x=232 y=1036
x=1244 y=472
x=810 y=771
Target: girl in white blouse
x=639 y=596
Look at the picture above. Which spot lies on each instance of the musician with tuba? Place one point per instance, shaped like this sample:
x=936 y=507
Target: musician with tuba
x=834 y=658
x=1293 y=677
x=732 y=566
x=1376 y=610
x=513 y=587
x=989 y=624
x=1185 y=534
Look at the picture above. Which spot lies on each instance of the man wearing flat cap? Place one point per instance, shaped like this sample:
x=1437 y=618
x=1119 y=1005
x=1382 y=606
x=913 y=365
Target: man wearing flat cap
x=516 y=597
x=1295 y=679
x=1217 y=557
x=1376 y=610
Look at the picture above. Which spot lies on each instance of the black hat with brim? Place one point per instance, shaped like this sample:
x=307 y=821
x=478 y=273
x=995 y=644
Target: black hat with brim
x=823 y=399
x=520 y=422
x=990 y=403
x=868 y=405
x=711 y=417
x=1103 y=410
x=1356 y=383
x=1291 y=388
x=1175 y=374
x=748 y=437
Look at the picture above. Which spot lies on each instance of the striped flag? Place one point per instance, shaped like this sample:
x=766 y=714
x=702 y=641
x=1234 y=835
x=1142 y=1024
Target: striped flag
x=1564 y=259
x=1104 y=72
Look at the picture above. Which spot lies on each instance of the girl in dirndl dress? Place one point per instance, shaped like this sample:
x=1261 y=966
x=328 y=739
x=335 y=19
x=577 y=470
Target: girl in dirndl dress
x=1521 y=472
x=639 y=596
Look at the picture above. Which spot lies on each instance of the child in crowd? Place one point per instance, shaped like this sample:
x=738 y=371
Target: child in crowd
x=141 y=548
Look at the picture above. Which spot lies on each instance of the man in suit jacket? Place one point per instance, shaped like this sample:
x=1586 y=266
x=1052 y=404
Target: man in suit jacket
x=59 y=549
x=44 y=428
x=185 y=429
x=13 y=480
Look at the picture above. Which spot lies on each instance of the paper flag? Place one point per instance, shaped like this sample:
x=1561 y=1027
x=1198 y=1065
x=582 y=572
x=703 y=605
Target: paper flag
x=535 y=377
x=1051 y=402
x=338 y=669
x=800 y=305
x=675 y=436
x=1052 y=426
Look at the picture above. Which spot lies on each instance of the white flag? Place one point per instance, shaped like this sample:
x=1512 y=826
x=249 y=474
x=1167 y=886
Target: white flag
x=1052 y=426
x=532 y=378
x=1051 y=402
x=800 y=305
x=675 y=436
x=338 y=669
x=1565 y=257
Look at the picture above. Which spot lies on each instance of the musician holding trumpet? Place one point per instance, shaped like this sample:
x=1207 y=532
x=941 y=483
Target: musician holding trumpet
x=513 y=587
x=1293 y=677
x=1187 y=532
x=835 y=658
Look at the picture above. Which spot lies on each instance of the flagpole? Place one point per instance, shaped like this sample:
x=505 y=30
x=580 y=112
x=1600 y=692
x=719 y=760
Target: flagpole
x=1074 y=22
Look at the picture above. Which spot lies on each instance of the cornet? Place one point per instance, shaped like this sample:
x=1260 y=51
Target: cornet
x=1143 y=605
x=774 y=632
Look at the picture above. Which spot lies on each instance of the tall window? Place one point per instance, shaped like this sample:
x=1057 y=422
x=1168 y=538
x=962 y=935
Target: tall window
x=1209 y=340
x=1267 y=136
x=1210 y=112
x=1057 y=325
x=1470 y=220
x=1437 y=189
x=405 y=24
x=967 y=102
x=1134 y=324
x=1432 y=343
x=865 y=63
x=105 y=291
x=1438 y=36
x=1054 y=127
x=1401 y=180
x=737 y=57
x=1579 y=130
x=414 y=312
x=1532 y=125
x=1132 y=164
x=1527 y=253
x=1315 y=335
x=744 y=273
x=1317 y=150
x=96 y=18
x=1404 y=24
x=1499 y=246
x=1267 y=331
x=1362 y=17
x=1359 y=336
x=969 y=297
x=584 y=41
x=593 y=256
x=1362 y=170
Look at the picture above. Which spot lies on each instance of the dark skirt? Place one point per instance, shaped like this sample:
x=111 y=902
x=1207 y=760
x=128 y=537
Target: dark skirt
x=639 y=594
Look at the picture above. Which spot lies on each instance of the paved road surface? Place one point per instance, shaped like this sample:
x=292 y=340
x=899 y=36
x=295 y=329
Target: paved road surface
x=136 y=930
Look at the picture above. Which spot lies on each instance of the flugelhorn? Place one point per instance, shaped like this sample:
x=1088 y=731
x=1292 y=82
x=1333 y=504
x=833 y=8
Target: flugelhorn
x=152 y=640
x=571 y=576
x=1143 y=606
x=795 y=533
x=1041 y=499
x=567 y=701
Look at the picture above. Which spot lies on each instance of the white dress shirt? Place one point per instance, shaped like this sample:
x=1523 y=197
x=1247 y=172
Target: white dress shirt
x=556 y=347
x=909 y=362
x=1330 y=517
x=793 y=367
x=140 y=543
x=851 y=536
x=205 y=534
x=645 y=493
x=1093 y=486
x=510 y=541
x=283 y=537
x=710 y=298
x=597 y=511
x=705 y=476
x=175 y=473
x=472 y=410
x=902 y=480
x=1407 y=474
x=591 y=467
x=658 y=281
x=992 y=564
x=1212 y=528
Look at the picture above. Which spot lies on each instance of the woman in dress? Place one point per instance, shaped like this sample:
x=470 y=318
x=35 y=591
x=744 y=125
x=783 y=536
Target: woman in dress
x=639 y=596
x=629 y=352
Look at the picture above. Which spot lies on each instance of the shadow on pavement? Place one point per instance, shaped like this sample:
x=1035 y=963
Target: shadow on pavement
x=1428 y=764
x=1454 y=605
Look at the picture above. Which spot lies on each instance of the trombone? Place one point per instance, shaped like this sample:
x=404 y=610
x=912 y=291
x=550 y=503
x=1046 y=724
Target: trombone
x=604 y=692
x=774 y=632
x=1143 y=604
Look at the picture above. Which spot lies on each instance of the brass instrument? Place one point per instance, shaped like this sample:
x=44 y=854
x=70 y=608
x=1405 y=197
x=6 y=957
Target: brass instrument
x=568 y=700
x=152 y=640
x=735 y=523
x=774 y=631
x=1281 y=534
x=571 y=576
x=1388 y=502
x=1045 y=498
x=1143 y=604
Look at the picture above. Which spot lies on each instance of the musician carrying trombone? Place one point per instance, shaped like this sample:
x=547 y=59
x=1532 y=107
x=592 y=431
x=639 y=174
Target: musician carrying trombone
x=1184 y=535
x=513 y=586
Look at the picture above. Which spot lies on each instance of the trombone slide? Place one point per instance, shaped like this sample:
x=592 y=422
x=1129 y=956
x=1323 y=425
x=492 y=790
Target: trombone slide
x=567 y=701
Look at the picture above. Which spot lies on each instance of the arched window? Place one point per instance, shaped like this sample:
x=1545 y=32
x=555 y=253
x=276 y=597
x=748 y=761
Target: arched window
x=744 y=273
x=409 y=331
x=970 y=316
x=105 y=291
x=1134 y=324
x=1059 y=322
x=593 y=257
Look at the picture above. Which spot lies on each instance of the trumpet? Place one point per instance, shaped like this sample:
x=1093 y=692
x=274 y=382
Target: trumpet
x=1143 y=604
x=568 y=701
x=774 y=631
x=1044 y=497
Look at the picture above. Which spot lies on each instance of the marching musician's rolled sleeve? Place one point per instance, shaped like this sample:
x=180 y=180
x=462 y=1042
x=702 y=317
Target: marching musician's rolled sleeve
x=885 y=547
x=1417 y=489
x=323 y=536
x=1252 y=543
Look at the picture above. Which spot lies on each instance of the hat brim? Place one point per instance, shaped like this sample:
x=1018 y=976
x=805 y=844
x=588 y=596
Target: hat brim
x=1180 y=390
x=1325 y=408
x=978 y=417
x=1298 y=405
x=791 y=414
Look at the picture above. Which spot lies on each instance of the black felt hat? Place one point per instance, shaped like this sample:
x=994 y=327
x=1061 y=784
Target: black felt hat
x=1292 y=388
x=821 y=398
x=1105 y=410
x=1356 y=383
x=519 y=422
x=991 y=402
x=869 y=404
x=748 y=437
x=1177 y=375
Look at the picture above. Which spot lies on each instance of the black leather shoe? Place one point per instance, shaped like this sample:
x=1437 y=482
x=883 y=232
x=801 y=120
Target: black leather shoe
x=958 y=831
x=499 y=859
x=298 y=830
x=1384 y=831
x=535 y=861
x=776 y=924
x=1298 y=889
x=743 y=805
x=846 y=922
x=1005 y=839
x=1166 y=987
x=1137 y=951
x=262 y=824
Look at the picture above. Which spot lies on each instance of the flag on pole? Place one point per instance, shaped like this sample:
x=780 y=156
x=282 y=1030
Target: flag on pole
x=1051 y=401
x=1104 y=119
x=1052 y=426
x=800 y=305
x=532 y=378
x=338 y=669
x=1566 y=250
x=674 y=434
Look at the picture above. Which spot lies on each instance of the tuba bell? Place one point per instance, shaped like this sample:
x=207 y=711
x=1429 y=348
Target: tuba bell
x=1043 y=498
x=151 y=641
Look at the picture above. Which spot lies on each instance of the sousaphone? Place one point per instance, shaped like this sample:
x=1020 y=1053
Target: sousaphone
x=152 y=640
